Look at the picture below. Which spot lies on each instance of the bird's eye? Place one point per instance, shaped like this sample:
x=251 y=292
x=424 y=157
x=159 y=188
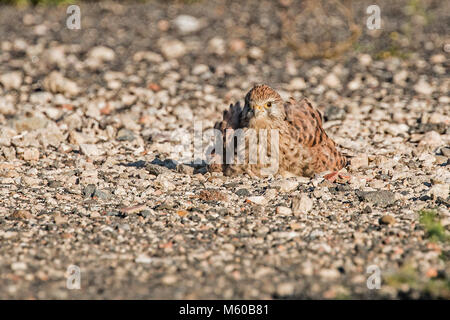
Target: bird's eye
x=269 y=104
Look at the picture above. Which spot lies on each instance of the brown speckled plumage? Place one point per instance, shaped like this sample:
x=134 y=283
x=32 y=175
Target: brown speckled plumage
x=304 y=147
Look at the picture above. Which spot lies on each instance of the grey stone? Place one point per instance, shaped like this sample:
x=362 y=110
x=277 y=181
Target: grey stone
x=243 y=192
x=155 y=169
x=103 y=195
x=89 y=191
x=381 y=198
x=125 y=135
x=334 y=113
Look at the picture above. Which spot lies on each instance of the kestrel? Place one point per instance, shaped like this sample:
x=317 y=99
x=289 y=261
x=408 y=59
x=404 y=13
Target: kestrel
x=303 y=146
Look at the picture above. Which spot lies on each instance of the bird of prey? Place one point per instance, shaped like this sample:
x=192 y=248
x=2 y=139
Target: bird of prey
x=295 y=141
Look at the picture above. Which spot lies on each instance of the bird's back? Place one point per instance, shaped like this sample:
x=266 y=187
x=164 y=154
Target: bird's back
x=306 y=130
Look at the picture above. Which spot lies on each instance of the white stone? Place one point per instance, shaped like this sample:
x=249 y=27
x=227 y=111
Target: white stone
x=169 y=279
x=200 y=69
x=302 y=204
x=183 y=112
x=91 y=150
x=257 y=200
x=18 y=266
x=431 y=138
x=148 y=56
x=52 y=135
x=56 y=55
x=31 y=154
x=355 y=84
x=396 y=129
x=217 y=45
x=284 y=211
x=437 y=59
x=173 y=49
x=11 y=80
x=187 y=24
x=365 y=59
x=102 y=53
x=53 y=113
x=332 y=81
x=6 y=106
x=423 y=87
x=361 y=160
x=30 y=181
x=285 y=289
x=56 y=83
x=329 y=273
x=297 y=84
x=143 y=258
x=400 y=77
x=255 y=53
x=41 y=98
x=285 y=185
x=6 y=134
x=440 y=190
x=439 y=118
x=270 y=194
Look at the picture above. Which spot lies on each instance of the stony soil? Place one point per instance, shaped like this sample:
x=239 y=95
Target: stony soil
x=90 y=121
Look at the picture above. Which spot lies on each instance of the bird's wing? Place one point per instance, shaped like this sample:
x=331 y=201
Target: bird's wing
x=305 y=127
x=231 y=120
x=305 y=121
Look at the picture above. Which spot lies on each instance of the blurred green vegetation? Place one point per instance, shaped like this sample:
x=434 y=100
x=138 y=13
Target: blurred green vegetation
x=415 y=14
x=433 y=227
x=409 y=278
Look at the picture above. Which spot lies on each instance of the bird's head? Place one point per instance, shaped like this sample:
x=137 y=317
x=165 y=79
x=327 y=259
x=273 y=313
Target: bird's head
x=264 y=102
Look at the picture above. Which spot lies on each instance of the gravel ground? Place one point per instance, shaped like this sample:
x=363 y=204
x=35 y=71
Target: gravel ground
x=90 y=121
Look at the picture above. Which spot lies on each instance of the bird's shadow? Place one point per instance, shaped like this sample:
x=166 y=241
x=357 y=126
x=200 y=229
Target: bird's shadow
x=198 y=167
